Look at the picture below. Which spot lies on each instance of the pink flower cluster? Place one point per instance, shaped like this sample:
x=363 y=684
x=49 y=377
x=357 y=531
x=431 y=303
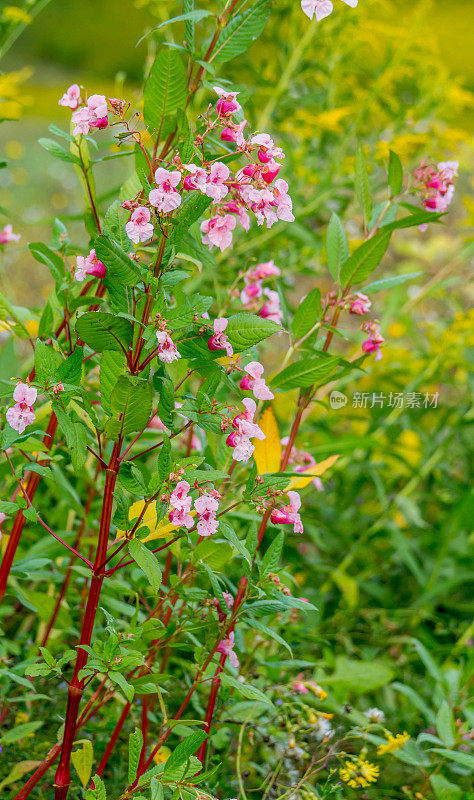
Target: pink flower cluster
x=375 y=340
x=360 y=304
x=207 y=506
x=300 y=460
x=253 y=382
x=7 y=235
x=21 y=414
x=87 y=113
x=321 y=8
x=254 y=290
x=435 y=184
x=89 y=265
x=226 y=648
x=245 y=429
x=289 y=515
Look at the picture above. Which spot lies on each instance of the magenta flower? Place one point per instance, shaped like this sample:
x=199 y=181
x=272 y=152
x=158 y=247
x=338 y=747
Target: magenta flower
x=218 y=231
x=197 y=179
x=89 y=265
x=215 y=186
x=167 y=350
x=219 y=340
x=435 y=184
x=7 y=235
x=267 y=269
x=207 y=507
x=288 y=515
x=21 y=414
x=139 y=228
x=375 y=340
x=254 y=382
x=181 y=503
x=71 y=98
x=361 y=304
x=165 y=198
x=227 y=103
x=271 y=309
x=245 y=429
x=226 y=647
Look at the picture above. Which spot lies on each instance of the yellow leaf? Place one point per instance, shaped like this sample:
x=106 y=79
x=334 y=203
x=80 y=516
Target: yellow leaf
x=83 y=760
x=310 y=473
x=268 y=451
x=158 y=530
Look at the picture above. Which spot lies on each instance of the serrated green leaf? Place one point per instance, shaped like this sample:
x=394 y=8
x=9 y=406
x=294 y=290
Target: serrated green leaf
x=307 y=314
x=395 y=174
x=362 y=184
x=337 y=249
x=165 y=89
x=365 y=259
x=246 y=690
x=103 y=331
x=120 y=268
x=147 y=562
x=304 y=373
x=245 y=330
x=241 y=32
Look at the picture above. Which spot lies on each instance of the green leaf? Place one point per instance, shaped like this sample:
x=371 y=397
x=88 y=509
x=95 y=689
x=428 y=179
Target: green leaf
x=395 y=174
x=188 y=17
x=245 y=330
x=19 y=732
x=272 y=556
x=444 y=789
x=189 y=212
x=147 y=562
x=246 y=690
x=125 y=686
x=304 y=373
x=360 y=677
x=337 y=249
x=389 y=283
x=362 y=183
x=112 y=366
x=272 y=634
x=164 y=460
x=76 y=438
x=465 y=759
x=135 y=745
x=365 y=259
x=444 y=724
x=103 y=331
x=47 y=362
x=307 y=314
x=46 y=256
x=241 y=32
x=165 y=89
x=214 y=554
x=82 y=760
x=184 y=750
x=70 y=370
x=156 y=790
x=119 y=266
x=130 y=404
x=58 y=152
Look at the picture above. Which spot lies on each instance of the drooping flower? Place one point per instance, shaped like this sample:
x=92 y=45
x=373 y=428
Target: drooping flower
x=167 y=350
x=71 y=98
x=227 y=103
x=322 y=8
x=271 y=309
x=181 y=503
x=375 y=340
x=219 y=340
x=218 y=231
x=165 y=197
x=93 y=115
x=267 y=149
x=215 y=185
x=89 y=265
x=289 y=515
x=197 y=179
x=7 y=235
x=207 y=507
x=435 y=184
x=245 y=429
x=360 y=304
x=267 y=269
x=226 y=647
x=139 y=228
x=20 y=415
x=254 y=382
x=301 y=460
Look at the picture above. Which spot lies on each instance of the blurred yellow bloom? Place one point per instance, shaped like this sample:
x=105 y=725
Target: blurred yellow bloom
x=359 y=774
x=393 y=744
x=15 y=14
x=11 y=102
x=162 y=755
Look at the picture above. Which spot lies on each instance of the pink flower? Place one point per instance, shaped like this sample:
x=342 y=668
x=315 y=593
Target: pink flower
x=436 y=184
x=3 y=518
x=262 y=271
x=181 y=517
x=289 y=514
x=7 y=235
x=157 y=424
x=226 y=647
x=81 y=119
x=375 y=340
x=240 y=212
x=58 y=388
x=361 y=304
x=167 y=350
x=21 y=414
x=245 y=429
x=139 y=227
x=235 y=133
x=254 y=382
x=300 y=688
x=267 y=149
x=71 y=98
x=206 y=507
x=283 y=201
x=321 y=8
x=215 y=186
x=227 y=103
x=93 y=115
x=218 y=231
x=165 y=198
x=271 y=309
x=89 y=265
x=219 y=340
x=181 y=505
x=197 y=179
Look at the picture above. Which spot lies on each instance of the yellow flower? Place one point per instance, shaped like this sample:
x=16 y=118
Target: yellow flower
x=393 y=743
x=15 y=14
x=359 y=774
